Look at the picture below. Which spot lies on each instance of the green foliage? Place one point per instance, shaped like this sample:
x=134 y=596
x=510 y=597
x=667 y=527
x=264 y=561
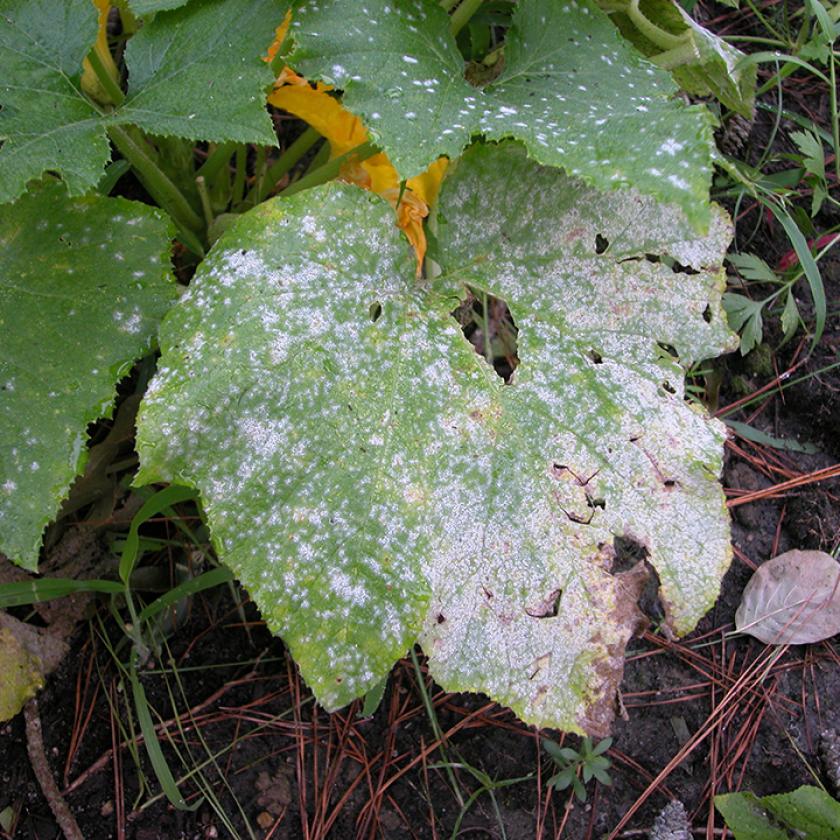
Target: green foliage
x=579 y=767
x=42 y=45
x=592 y=106
x=194 y=72
x=700 y=62
x=373 y=482
x=808 y=813
x=364 y=473
x=84 y=283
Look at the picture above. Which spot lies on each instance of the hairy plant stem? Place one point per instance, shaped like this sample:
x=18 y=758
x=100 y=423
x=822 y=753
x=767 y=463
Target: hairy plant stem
x=461 y=16
x=105 y=79
x=217 y=159
x=164 y=192
x=331 y=169
x=282 y=165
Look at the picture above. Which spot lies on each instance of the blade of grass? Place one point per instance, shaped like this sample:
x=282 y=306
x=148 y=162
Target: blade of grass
x=46 y=589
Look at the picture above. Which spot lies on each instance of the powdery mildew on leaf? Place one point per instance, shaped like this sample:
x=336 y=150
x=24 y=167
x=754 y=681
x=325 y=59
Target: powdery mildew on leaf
x=311 y=430
x=592 y=440
x=573 y=90
x=370 y=478
x=84 y=283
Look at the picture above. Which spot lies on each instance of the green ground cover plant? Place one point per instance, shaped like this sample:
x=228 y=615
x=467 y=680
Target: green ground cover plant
x=368 y=477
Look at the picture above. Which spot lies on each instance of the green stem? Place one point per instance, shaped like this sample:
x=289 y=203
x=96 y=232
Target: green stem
x=282 y=165
x=239 y=176
x=664 y=40
x=218 y=158
x=110 y=86
x=433 y=721
x=164 y=192
x=461 y=16
x=330 y=170
x=835 y=118
x=259 y=170
x=201 y=184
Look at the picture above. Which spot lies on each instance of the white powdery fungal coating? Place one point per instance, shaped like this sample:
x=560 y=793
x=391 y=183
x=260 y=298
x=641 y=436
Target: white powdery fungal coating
x=594 y=107
x=370 y=479
x=94 y=311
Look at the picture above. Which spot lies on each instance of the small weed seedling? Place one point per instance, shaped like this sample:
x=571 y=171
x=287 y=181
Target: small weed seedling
x=578 y=767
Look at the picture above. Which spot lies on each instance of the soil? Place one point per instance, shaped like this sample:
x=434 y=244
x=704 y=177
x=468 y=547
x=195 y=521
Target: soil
x=274 y=765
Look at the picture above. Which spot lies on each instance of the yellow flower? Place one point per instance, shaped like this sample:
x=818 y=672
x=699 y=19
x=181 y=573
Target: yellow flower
x=90 y=82
x=344 y=131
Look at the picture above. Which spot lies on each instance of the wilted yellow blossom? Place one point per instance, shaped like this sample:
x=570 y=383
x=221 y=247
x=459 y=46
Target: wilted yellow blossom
x=344 y=131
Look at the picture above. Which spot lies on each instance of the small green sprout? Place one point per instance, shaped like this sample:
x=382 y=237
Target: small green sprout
x=577 y=767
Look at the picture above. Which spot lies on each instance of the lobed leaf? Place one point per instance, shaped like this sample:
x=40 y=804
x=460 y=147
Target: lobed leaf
x=372 y=481
x=193 y=72
x=84 y=283
x=46 y=124
x=572 y=89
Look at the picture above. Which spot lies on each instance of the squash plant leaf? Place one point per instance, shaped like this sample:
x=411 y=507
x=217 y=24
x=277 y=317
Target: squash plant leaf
x=84 y=283
x=193 y=72
x=372 y=481
x=45 y=122
x=572 y=89
x=142 y=8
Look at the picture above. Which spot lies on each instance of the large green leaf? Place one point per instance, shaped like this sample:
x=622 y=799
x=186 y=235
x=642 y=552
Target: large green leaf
x=371 y=480
x=194 y=72
x=45 y=122
x=150 y=7
x=84 y=283
x=573 y=90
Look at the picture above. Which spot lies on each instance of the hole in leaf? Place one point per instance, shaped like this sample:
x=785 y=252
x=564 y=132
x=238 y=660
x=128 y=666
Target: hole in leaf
x=707 y=314
x=678 y=267
x=488 y=325
x=375 y=311
x=596 y=357
x=627 y=552
x=548 y=607
x=667 y=349
x=601 y=244
x=441 y=618
x=667 y=386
